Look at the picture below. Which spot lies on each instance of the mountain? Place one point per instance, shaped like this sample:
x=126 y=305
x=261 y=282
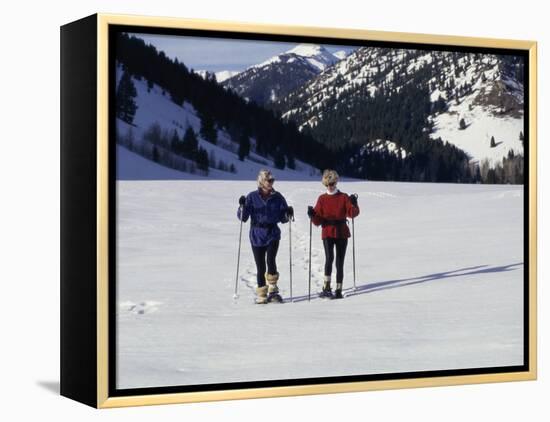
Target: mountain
x=177 y=119
x=220 y=76
x=276 y=77
x=342 y=54
x=316 y=55
x=158 y=120
x=344 y=103
x=379 y=114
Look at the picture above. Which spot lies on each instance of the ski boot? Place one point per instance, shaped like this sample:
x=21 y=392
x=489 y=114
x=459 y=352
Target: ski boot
x=261 y=295
x=338 y=291
x=272 y=289
x=326 y=293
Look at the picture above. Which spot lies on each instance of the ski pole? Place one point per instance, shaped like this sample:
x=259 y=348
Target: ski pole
x=353 y=246
x=290 y=251
x=309 y=282
x=353 y=249
x=236 y=295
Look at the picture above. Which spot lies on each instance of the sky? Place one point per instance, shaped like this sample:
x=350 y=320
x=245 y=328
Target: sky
x=214 y=54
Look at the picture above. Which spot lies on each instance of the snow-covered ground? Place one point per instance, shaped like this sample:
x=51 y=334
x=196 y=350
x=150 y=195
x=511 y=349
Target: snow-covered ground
x=439 y=285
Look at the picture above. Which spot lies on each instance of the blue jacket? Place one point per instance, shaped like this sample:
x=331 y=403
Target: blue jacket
x=264 y=216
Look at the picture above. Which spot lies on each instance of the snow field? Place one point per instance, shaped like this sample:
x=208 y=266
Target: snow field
x=439 y=285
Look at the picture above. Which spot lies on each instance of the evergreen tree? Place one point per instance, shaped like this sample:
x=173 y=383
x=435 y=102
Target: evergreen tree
x=202 y=159
x=477 y=174
x=491 y=176
x=175 y=143
x=190 y=143
x=440 y=105
x=462 y=124
x=153 y=134
x=221 y=165
x=279 y=160
x=155 y=154
x=208 y=129
x=521 y=137
x=290 y=162
x=125 y=99
x=493 y=143
x=244 y=146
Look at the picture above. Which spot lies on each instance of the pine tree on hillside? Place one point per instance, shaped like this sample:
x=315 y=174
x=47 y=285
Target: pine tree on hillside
x=244 y=146
x=153 y=134
x=491 y=176
x=440 y=105
x=521 y=137
x=290 y=162
x=190 y=143
x=208 y=130
x=493 y=143
x=462 y=124
x=212 y=159
x=125 y=99
x=202 y=159
x=175 y=143
x=279 y=160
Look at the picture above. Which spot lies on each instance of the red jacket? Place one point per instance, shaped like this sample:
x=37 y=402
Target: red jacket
x=330 y=211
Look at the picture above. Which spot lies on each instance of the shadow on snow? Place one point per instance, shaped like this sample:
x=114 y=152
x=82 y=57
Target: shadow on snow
x=393 y=284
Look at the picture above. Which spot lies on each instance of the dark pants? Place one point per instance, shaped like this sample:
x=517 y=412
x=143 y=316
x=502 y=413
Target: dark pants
x=341 y=246
x=261 y=255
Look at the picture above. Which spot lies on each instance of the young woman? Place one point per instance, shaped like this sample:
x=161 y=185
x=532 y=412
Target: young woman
x=265 y=207
x=330 y=212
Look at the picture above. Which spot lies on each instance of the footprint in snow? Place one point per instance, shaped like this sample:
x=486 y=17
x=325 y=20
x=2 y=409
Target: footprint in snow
x=140 y=308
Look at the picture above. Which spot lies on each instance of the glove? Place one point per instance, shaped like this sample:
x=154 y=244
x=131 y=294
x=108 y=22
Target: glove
x=353 y=199
x=242 y=200
x=290 y=212
x=310 y=211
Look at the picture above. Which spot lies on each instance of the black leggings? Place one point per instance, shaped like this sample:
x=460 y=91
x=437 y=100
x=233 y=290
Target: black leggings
x=260 y=253
x=341 y=246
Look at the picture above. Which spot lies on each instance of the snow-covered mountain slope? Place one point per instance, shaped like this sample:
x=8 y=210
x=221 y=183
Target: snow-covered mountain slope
x=132 y=166
x=154 y=106
x=274 y=78
x=383 y=145
x=221 y=76
x=342 y=54
x=492 y=107
x=439 y=285
x=481 y=126
x=484 y=90
x=316 y=55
